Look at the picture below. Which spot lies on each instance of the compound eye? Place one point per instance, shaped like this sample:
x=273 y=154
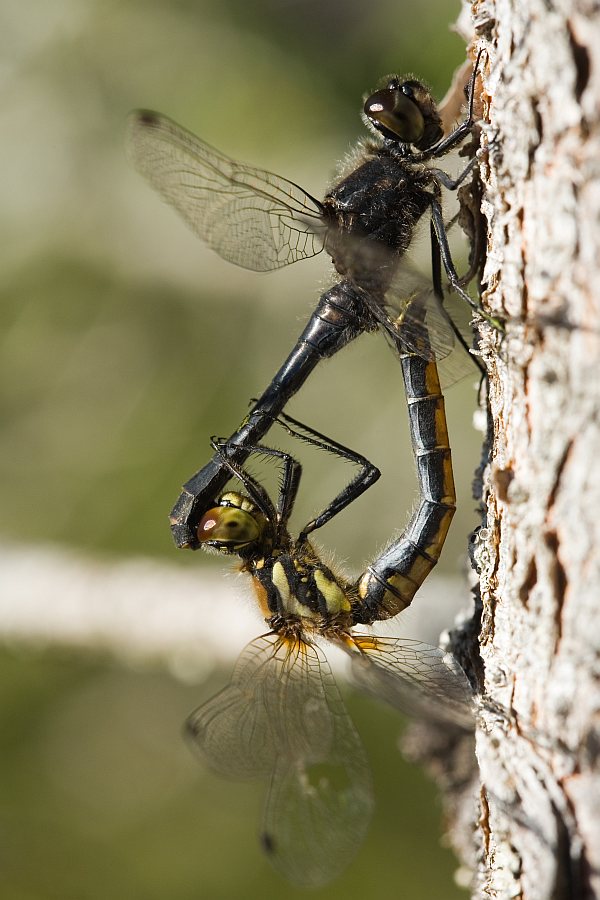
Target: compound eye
x=395 y=114
x=228 y=528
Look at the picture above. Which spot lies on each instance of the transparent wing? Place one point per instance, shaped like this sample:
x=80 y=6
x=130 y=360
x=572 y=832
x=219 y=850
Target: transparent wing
x=274 y=711
x=402 y=301
x=318 y=809
x=316 y=817
x=282 y=717
x=418 y=679
x=414 y=320
x=250 y=217
x=261 y=221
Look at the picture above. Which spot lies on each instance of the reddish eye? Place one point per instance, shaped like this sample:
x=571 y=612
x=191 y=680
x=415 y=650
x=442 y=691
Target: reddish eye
x=228 y=526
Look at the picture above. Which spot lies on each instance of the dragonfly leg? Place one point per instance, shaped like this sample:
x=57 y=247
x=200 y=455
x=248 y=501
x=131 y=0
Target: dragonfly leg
x=453 y=183
x=437 y=221
x=461 y=131
x=338 y=319
x=288 y=487
x=367 y=475
x=391 y=581
x=436 y=271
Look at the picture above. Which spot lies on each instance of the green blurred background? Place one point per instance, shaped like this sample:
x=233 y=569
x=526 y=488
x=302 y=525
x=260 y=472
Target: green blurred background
x=124 y=345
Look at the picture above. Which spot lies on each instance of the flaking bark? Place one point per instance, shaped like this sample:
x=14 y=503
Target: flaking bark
x=538 y=733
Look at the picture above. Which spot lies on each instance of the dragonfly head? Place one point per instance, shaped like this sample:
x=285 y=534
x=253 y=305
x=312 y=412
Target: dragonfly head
x=234 y=526
x=404 y=112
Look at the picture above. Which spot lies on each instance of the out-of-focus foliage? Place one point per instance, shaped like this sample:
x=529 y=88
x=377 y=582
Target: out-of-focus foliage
x=103 y=799
x=123 y=342
x=123 y=345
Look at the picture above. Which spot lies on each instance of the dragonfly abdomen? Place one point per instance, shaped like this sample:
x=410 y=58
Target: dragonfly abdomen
x=390 y=583
x=340 y=316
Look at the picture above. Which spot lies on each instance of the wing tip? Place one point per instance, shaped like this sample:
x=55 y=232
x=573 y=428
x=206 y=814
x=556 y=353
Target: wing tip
x=146 y=117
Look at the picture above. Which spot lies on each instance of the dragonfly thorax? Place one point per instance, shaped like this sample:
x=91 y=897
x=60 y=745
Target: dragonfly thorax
x=366 y=240
x=296 y=587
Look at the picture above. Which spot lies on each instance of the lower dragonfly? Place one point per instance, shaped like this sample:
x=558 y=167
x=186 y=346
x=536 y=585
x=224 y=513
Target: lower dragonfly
x=366 y=222
x=281 y=718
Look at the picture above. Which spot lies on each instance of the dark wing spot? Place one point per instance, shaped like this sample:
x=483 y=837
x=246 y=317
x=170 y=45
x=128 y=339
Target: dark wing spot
x=146 y=117
x=267 y=843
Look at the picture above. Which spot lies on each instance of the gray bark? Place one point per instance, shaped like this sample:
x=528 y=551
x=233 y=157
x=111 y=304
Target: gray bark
x=537 y=833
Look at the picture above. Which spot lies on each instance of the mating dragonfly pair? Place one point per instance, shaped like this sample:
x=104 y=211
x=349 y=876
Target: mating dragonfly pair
x=281 y=718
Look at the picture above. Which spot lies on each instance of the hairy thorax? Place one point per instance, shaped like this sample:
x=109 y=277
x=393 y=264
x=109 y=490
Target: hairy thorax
x=382 y=201
x=298 y=586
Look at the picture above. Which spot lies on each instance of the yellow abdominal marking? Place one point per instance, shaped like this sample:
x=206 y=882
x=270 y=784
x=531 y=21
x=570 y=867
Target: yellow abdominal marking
x=391 y=604
x=335 y=599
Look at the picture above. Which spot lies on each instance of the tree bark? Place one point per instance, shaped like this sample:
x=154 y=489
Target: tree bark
x=537 y=553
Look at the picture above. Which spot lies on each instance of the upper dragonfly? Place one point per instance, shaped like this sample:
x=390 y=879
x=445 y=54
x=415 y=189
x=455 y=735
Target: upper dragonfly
x=366 y=222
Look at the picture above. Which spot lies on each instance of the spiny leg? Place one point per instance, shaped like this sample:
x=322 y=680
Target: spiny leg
x=436 y=271
x=289 y=484
x=451 y=140
x=367 y=475
x=452 y=184
x=439 y=228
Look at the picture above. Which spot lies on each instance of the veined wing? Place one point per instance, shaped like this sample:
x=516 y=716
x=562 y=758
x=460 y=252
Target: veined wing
x=316 y=817
x=282 y=717
x=273 y=711
x=414 y=320
x=416 y=678
x=261 y=221
x=402 y=301
x=318 y=809
x=248 y=216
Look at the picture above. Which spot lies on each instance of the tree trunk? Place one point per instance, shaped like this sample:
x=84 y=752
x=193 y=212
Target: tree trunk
x=538 y=731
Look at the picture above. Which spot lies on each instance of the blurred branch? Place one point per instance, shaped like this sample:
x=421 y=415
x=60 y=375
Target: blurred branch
x=138 y=610
x=141 y=610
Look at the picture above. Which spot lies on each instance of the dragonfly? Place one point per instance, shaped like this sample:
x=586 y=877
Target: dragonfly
x=282 y=718
x=366 y=222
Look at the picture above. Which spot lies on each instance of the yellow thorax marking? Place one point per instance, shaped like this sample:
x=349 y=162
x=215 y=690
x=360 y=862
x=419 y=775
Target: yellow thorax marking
x=289 y=601
x=281 y=582
x=335 y=599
